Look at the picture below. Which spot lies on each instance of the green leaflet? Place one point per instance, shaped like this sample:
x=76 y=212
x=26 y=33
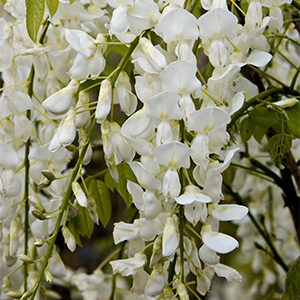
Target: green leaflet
x=294 y=119
x=125 y=174
x=52 y=6
x=3 y=1
x=99 y=192
x=278 y=145
x=34 y=17
x=246 y=129
x=81 y=224
x=292 y=282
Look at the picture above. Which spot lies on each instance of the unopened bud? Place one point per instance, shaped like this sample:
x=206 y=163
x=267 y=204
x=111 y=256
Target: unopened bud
x=26 y=295
x=36 y=203
x=13 y=294
x=289 y=102
x=45 y=183
x=39 y=243
x=48 y=276
x=38 y=214
x=25 y=258
x=48 y=174
x=104 y=101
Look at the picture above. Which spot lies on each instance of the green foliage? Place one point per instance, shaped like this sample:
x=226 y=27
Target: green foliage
x=293 y=122
x=34 y=17
x=3 y=1
x=125 y=174
x=278 y=145
x=262 y=119
x=81 y=224
x=292 y=282
x=99 y=192
x=52 y=6
x=247 y=129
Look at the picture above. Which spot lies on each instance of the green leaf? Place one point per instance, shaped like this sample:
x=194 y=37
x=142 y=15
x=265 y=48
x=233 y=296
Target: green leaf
x=72 y=228
x=3 y=1
x=81 y=224
x=100 y=193
x=259 y=132
x=292 y=286
x=52 y=6
x=109 y=181
x=278 y=145
x=34 y=17
x=247 y=128
x=294 y=119
x=125 y=174
x=264 y=117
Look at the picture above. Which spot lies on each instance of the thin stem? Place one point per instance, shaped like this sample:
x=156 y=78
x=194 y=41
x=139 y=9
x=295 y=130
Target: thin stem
x=265 y=235
x=64 y=205
x=26 y=182
x=254 y=100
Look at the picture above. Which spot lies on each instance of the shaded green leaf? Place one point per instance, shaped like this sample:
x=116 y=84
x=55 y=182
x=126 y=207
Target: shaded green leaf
x=264 y=117
x=278 y=145
x=52 y=6
x=109 y=181
x=259 y=132
x=73 y=229
x=294 y=119
x=34 y=17
x=292 y=282
x=125 y=174
x=246 y=129
x=81 y=224
x=3 y=1
x=100 y=193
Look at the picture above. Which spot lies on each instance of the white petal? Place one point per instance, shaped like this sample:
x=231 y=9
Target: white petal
x=164 y=106
x=129 y=266
x=136 y=193
x=177 y=25
x=217 y=23
x=59 y=102
x=258 y=58
x=171 y=184
x=219 y=242
x=211 y=118
x=125 y=231
x=170 y=238
x=80 y=41
x=229 y=273
x=174 y=154
x=144 y=177
x=8 y=156
x=79 y=194
x=208 y=256
x=180 y=77
x=229 y=212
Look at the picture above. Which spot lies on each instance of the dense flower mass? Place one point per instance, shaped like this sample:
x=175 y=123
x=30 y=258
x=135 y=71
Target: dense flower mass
x=198 y=108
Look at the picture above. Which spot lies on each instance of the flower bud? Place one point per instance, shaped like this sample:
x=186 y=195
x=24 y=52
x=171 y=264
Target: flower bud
x=39 y=243
x=25 y=258
x=45 y=183
x=48 y=174
x=104 y=101
x=38 y=214
x=69 y=238
x=36 y=203
x=67 y=132
x=26 y=295
x=170 y=238
x=59 y=102
x=15 y=295
x=79 y=194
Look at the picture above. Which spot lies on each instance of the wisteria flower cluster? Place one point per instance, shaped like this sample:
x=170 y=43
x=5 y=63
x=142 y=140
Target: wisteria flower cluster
x=194 y=108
